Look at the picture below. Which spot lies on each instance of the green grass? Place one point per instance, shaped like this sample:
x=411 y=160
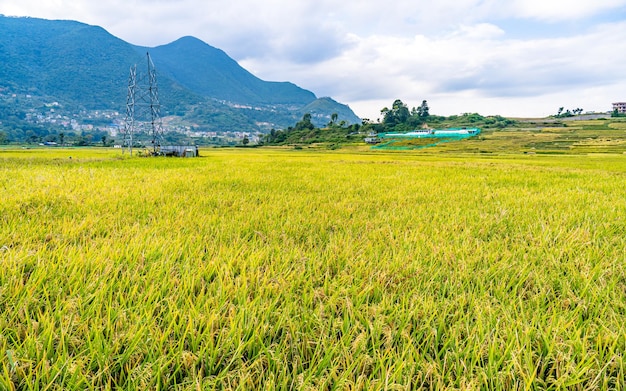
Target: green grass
x=277 y=269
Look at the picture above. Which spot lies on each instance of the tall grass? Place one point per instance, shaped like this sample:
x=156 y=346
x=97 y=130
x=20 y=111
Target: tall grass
x=309 y=270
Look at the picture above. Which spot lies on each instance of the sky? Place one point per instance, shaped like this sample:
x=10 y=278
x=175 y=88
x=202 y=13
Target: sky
x=516 y=58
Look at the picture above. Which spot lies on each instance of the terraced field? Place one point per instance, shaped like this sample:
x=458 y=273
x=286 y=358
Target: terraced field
x=576 y=137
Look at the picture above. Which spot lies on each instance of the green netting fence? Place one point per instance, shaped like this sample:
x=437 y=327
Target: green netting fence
x=413 y=139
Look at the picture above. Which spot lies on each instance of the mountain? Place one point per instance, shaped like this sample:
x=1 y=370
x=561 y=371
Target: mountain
x=209 y=71
x=83 y=67
x=69 y=60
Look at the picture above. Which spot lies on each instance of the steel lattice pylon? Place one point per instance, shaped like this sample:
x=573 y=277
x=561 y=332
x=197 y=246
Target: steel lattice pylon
x=143 y=110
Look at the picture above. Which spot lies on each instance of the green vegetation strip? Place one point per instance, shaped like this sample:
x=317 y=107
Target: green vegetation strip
x=270 y=269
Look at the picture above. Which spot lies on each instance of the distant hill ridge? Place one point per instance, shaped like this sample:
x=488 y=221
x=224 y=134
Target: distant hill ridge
x=221 y=77
x=85 y=67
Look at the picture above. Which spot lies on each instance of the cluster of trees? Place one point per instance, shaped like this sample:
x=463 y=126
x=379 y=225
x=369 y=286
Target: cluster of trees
x=305 y=132
x=398 y=118
x=402 y=119
x=37 y=135
x=568 y=112
x=399 y=114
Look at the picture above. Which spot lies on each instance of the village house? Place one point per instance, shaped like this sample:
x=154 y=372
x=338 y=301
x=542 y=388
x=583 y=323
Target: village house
x=620 y=107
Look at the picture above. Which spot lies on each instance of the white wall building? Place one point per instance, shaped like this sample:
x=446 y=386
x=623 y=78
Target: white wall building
x=620 y=107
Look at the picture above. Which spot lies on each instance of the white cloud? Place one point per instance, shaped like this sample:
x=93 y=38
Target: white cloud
x=471 y=65
x=551 y=10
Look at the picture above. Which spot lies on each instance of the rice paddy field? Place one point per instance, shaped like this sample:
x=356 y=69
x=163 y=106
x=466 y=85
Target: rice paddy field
x=250 y=269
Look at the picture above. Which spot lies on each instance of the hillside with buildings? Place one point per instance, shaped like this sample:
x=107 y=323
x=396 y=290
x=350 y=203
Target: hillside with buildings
x=61 y=76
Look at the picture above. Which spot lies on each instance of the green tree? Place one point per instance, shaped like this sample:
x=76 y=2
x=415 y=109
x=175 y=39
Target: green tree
x=333 y=118
x=81 y=141
x=422 y=110
x=305 y=123
x=401 y=111
x=398 y=114
x=384 y=112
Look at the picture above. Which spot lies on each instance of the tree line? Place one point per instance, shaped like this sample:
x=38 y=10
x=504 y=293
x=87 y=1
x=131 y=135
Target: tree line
x=396 y=118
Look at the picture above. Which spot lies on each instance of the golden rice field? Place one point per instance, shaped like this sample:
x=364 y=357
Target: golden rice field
x=310 y=270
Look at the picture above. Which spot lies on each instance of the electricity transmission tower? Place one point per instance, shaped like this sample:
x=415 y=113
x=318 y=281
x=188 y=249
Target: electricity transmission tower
x=143 y=110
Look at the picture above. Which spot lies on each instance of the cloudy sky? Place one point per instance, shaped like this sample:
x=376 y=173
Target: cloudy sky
x=508 y=57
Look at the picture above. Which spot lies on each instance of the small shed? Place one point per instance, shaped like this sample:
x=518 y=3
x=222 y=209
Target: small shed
x=180 y=150
x=371 y=140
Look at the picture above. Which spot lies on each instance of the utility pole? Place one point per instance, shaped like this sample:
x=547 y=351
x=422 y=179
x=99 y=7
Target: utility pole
x=143 y=110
